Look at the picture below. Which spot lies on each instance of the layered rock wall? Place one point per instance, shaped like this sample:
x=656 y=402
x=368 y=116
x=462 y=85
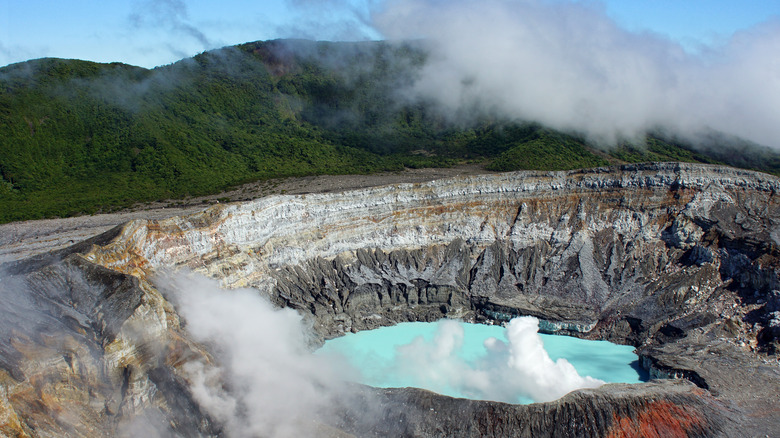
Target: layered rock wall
x=574 y=249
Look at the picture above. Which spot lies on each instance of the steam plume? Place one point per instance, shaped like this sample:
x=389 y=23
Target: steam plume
x=276 y=387
x=513 y=371
x=269 y=382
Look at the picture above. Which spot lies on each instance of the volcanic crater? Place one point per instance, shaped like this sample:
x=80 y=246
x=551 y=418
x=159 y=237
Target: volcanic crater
x=679 y=260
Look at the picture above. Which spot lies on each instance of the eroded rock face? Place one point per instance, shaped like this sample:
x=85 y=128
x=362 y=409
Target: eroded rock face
x=87 y=351
x=667 y=409
x=679 y=260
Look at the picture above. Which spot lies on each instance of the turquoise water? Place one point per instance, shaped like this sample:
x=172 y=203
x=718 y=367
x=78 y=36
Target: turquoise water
x=461 y=360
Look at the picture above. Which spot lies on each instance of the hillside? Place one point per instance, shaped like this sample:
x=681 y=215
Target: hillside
x=80 y=137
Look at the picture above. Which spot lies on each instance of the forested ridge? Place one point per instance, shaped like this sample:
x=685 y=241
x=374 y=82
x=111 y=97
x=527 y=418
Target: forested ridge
x=81 y=137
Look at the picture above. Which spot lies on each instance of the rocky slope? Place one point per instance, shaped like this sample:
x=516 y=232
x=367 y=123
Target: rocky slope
x=678 y=260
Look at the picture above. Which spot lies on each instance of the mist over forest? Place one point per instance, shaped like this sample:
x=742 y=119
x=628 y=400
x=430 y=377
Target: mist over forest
x=82 y=137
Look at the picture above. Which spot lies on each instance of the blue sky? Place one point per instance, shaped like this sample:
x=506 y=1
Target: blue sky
x=692 y=22
x=156 y=32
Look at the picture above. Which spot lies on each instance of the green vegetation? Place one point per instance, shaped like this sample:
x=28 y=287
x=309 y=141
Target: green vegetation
x=656 y=149
x=547 y=151
x=80 y=137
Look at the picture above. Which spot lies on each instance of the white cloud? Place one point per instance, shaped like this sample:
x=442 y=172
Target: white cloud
x=567 y=65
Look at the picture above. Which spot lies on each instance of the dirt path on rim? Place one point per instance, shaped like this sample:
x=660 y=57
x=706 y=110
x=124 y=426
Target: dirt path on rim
x=23 y=239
